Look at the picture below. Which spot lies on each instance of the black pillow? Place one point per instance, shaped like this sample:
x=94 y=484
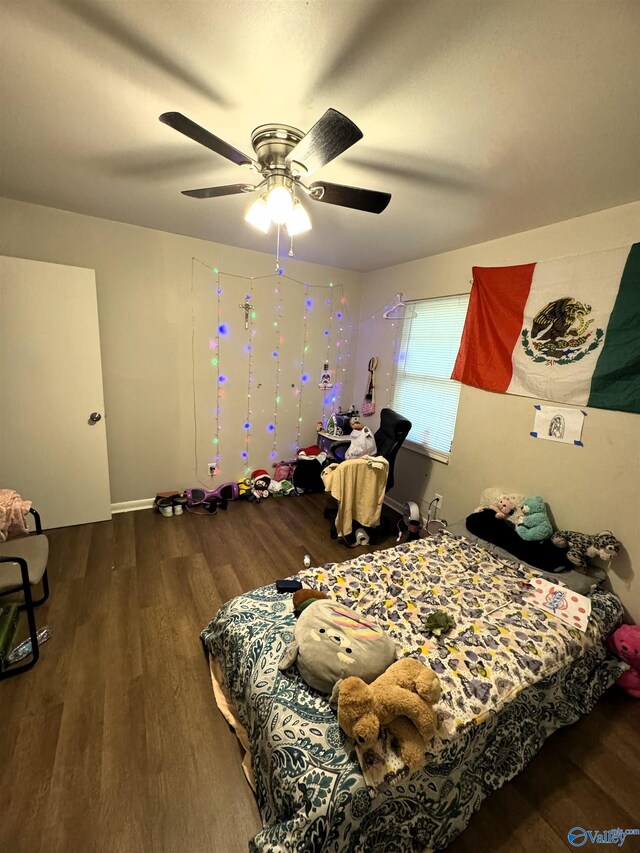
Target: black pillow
x=542 y=555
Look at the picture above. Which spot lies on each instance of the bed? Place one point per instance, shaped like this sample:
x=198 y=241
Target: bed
x=511 y=675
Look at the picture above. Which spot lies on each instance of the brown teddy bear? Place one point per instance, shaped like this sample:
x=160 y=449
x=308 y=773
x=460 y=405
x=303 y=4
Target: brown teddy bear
x=400 y=699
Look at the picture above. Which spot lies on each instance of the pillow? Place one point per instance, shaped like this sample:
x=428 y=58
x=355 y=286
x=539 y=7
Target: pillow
x=575 y=581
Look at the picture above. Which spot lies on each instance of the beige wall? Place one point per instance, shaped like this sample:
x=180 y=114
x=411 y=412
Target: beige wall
x=149 y=302
x=589 y=488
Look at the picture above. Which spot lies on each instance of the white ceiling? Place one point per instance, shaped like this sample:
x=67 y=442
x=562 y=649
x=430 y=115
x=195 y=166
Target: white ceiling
x=481 y=118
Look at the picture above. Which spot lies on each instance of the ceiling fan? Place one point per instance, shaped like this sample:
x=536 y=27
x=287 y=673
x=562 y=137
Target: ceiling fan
x=284 y=156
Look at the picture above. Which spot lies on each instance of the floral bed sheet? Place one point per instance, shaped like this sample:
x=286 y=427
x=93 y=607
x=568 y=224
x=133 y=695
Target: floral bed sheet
x=511 y=675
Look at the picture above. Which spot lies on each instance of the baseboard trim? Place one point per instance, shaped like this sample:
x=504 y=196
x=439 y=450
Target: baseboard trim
x=399 y=508
x=132 y=506
x=147 y=503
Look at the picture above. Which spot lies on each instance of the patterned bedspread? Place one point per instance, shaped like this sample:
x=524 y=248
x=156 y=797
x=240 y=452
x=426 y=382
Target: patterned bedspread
x=511 y=675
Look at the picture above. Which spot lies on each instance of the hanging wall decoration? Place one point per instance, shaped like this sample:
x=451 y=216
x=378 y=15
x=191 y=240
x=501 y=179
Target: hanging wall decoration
x=325 y=377
x=369 y=403
x=249 y=428
x=558 y=424
x=569 y=330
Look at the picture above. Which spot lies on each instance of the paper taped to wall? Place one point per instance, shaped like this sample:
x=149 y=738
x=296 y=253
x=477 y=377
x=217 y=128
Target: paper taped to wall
x=558 y=424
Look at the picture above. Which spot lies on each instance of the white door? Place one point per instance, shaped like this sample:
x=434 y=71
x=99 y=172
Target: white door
x=51 y=451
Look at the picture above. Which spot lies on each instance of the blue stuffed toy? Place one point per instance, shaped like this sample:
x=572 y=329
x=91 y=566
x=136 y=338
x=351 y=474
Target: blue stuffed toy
x=533 y=523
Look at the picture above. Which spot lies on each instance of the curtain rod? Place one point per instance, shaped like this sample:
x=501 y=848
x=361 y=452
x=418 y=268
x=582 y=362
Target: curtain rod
x=442 y=296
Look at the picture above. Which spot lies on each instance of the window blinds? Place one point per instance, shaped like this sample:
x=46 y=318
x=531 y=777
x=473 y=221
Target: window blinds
x=423 y=391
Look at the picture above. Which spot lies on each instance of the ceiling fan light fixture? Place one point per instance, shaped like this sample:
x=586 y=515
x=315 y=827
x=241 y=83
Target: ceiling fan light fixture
x=258 y=215
x=298 y=222
x=279 y=198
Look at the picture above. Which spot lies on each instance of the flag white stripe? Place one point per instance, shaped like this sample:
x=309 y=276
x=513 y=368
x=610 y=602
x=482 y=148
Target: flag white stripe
x=592 y=279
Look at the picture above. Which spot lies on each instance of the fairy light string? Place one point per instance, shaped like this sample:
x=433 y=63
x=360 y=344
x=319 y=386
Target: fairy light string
x=337 y=341
x=216 y=363
x=249 y=348
x=276 y=355
x=303 y=378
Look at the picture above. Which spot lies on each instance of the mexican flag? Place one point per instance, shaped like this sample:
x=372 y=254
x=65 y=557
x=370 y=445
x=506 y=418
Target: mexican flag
x=566 y=330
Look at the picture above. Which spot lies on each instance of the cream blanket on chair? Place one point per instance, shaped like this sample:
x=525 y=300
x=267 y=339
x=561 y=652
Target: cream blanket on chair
x=358 y=485
x=13 y=514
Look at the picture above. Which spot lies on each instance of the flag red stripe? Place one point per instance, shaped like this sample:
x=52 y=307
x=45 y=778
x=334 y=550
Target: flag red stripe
x=493 y=326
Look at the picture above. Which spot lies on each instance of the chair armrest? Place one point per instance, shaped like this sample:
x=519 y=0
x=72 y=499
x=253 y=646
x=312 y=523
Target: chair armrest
x=36 y=515
x=24 y=571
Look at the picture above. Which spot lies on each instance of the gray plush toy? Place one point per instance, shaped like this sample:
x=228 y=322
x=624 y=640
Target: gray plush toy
x=332 y=641
x=583 y=545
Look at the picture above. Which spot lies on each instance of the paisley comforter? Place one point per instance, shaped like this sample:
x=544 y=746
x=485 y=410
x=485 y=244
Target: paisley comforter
x=510 y=675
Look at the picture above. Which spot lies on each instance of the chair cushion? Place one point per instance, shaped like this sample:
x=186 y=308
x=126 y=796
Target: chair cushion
x=33 y=549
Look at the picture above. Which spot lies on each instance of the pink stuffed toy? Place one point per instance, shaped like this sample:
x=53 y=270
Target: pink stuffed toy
x=503 y=508
x=625 y=643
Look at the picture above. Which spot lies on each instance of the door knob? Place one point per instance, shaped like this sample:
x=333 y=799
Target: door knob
x=94 y=417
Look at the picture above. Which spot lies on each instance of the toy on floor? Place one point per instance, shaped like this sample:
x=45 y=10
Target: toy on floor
x=438 y=623
x=625 y=643
x=260 y=481
x=532 y=523
x=332 y=641
x=583 y=545
x=401 y=700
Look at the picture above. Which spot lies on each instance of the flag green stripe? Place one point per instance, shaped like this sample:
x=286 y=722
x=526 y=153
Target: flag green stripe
x=616 y=379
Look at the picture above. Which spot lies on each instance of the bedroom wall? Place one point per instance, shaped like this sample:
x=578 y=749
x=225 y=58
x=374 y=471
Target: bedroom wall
x=589 y=488
x=152 y=297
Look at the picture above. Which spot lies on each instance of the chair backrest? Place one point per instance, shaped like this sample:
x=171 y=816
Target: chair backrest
x=390 y=437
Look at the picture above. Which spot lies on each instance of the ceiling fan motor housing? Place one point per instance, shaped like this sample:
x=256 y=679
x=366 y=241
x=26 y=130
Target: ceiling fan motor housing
x=272 y=144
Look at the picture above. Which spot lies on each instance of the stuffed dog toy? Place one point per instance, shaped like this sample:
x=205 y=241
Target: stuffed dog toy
x=401 y=700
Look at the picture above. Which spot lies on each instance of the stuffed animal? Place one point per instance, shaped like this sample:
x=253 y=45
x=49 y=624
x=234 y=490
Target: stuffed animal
x=503 y=508
x=260 y=484
x=625 y=643
x=332 y=641
x=533 y=524
x=401 y=700
x=439 y=622
x=503 y=503
x=583 y=545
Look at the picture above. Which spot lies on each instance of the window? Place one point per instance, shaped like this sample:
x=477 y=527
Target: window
x=423 y=391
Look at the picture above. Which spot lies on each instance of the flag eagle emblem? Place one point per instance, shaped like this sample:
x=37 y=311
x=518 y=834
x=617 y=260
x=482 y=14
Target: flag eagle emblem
x=560 y=332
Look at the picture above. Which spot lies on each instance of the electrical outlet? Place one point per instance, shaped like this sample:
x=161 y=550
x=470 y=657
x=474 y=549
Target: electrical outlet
x=438 y=499
x=213 y=469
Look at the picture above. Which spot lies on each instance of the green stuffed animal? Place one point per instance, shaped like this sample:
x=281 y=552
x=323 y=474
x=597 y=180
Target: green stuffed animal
x=533 y=523
x=439 y=622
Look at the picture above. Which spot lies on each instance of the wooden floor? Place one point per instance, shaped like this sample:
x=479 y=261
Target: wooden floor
x=113 y=742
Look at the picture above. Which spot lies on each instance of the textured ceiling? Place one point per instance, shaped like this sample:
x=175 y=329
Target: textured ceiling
x=481 y=118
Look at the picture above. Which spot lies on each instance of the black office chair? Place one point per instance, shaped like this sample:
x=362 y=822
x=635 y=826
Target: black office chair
x=389 y=438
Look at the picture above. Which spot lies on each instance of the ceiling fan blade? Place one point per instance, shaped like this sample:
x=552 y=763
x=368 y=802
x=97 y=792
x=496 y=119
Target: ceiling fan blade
x=189 y=128
x=332 y=134
x=215 y=192
x=371 y=201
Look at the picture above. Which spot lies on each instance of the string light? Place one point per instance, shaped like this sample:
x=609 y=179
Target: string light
x=249 y=350
x=330 y=398
x=276 y=354
x=336 y=334
x=390 y=374
x=303 y=376
x=216 y=363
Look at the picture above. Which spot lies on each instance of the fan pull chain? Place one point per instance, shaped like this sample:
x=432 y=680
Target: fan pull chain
x=278 y=251
x=291 y=248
